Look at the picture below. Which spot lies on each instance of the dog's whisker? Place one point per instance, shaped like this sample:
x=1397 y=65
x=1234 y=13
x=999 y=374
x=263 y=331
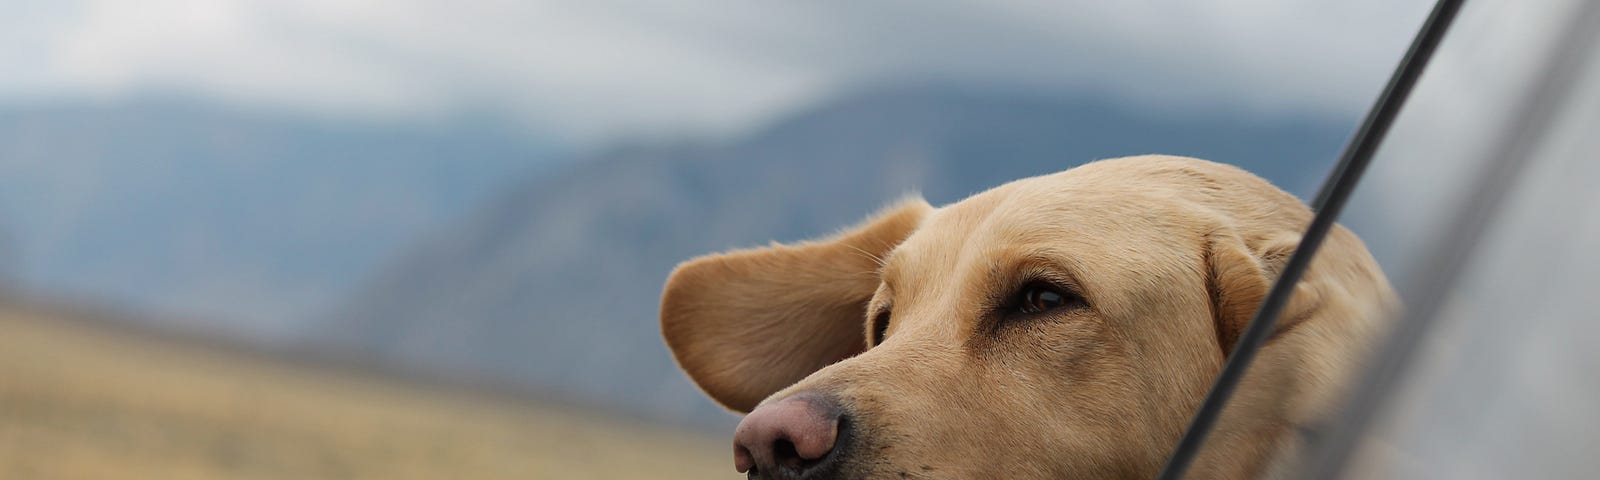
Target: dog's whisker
x=869 y=255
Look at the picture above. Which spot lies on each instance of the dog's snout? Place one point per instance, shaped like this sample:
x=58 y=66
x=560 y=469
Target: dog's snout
x=789 y=438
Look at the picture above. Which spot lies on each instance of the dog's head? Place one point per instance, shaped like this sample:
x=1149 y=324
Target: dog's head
x=1062 y=325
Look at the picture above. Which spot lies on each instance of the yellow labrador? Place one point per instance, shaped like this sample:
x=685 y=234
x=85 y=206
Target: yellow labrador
x=1061 y=326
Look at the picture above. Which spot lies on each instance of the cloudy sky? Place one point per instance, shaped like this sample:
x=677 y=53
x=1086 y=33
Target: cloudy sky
x=599 y=69
x=581 y=74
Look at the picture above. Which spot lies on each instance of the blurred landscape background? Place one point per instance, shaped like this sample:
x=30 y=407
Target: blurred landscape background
x=293 y=238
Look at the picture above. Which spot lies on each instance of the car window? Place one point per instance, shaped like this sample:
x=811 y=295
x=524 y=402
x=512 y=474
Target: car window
x=1500 y=383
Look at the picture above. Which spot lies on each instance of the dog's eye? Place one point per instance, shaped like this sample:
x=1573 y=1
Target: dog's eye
x=880 y=326
x=1039 y=298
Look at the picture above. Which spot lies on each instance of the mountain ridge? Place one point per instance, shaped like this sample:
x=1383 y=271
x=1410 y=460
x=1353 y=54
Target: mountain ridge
x=248 y=220
x=556 y=284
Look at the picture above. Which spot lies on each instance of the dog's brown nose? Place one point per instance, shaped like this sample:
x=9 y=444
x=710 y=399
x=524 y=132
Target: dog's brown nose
x=786 y=438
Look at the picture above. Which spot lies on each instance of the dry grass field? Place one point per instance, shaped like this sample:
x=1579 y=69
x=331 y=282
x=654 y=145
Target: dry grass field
x=79 y=401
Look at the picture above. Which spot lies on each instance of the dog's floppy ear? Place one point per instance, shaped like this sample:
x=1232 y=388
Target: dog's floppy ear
x=1238 y=278
x=748 y=323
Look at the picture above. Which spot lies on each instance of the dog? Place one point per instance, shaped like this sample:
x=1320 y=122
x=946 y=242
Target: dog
x=1060 y=326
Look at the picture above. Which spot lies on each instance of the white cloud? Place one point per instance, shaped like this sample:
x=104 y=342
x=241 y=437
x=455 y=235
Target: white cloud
x=596 y=69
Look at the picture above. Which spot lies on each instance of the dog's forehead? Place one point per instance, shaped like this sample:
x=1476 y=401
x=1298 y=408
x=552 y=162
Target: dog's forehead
x=1062 y=211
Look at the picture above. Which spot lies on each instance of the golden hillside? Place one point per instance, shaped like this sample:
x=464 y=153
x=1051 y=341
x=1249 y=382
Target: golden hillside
x=79 y=401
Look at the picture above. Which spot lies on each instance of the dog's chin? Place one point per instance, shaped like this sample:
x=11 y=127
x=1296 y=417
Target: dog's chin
x=832 y=472
x=829 y=472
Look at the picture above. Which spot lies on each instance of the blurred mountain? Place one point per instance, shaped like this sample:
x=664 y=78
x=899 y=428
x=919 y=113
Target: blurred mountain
x=245 y=219
x=555 y=285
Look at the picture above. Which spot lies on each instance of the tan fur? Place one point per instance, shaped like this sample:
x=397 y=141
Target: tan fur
x=1172 y=254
